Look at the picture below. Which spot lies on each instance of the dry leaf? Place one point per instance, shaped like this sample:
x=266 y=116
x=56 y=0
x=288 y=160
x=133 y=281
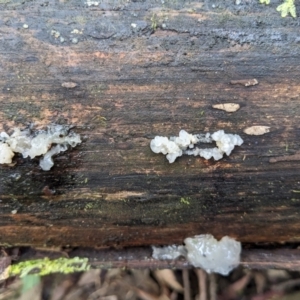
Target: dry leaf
x=269 y=295
x=277 y=275
x=229 y=107
x=110 y=297
x=167 y=277
x=236 y=288
x=62 y=289
x=92 y=276
x=4 y=267
x=146 y=296
x=260 y=282
x=286 y=285
x=4 y=274
x=257 y=130
x=142 y=280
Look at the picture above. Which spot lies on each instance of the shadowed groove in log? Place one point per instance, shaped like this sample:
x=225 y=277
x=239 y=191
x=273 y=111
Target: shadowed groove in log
x=276 y=257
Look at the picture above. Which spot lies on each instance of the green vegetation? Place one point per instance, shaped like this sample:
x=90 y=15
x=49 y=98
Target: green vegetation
x=88 y=206
x=29 y=282
x=46 y=266
x=154 y=22
x=264 y=1
x=287 y=7
x=185 y=200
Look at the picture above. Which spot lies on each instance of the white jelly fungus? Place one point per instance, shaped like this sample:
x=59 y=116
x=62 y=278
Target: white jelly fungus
x=174 y=147
x=45 y=143
x=205 y=252
x=6 y=154
x=168 y=252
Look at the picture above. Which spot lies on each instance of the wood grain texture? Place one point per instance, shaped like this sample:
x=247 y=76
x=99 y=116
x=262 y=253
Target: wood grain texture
x=135 y=82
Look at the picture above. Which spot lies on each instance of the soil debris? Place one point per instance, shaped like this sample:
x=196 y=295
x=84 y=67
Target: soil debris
x=69 y=85
x=47 y=191
x=257 y=130
x=228 y=107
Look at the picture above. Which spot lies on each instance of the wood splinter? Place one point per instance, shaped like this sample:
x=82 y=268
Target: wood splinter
x=293 y=157
x=245 y=82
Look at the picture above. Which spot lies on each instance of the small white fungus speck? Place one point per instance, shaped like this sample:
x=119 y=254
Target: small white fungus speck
x=92 y=3
x=55 y=33
x=76 y=31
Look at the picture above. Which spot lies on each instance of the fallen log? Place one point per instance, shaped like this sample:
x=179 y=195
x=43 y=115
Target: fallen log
x=122 y=72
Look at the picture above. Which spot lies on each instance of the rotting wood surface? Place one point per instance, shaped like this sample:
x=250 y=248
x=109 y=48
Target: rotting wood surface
x=125 y=71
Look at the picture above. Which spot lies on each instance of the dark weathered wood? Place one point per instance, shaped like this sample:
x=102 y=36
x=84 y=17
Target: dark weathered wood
x=137 y=82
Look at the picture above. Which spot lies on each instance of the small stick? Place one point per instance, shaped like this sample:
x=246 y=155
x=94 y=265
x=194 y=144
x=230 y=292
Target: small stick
x=202 y=284
x=186 y=284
